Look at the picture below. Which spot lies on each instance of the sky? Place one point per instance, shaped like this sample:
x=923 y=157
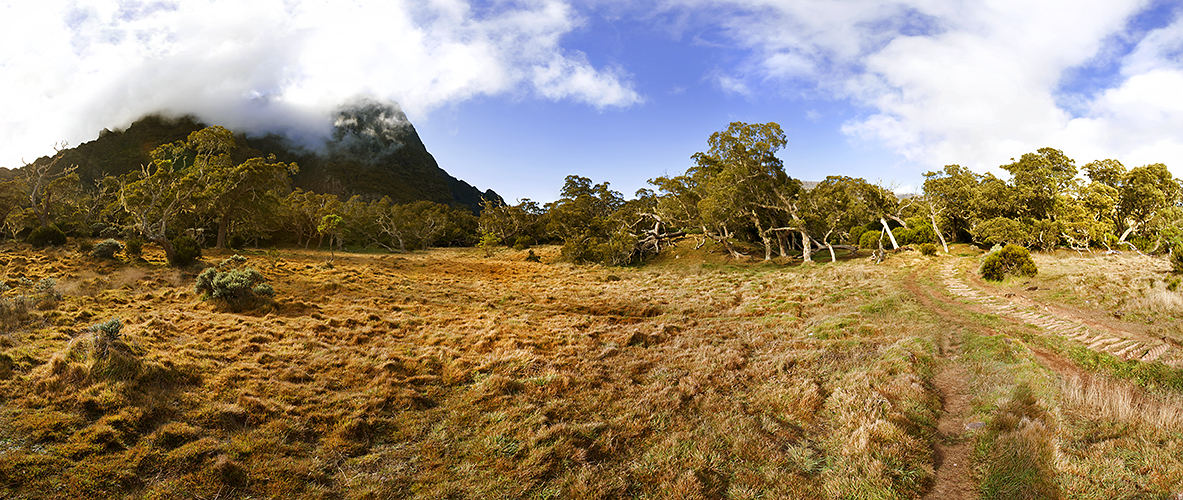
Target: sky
x=517 y=95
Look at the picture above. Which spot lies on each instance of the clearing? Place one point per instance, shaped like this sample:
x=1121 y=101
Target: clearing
x=448 y=374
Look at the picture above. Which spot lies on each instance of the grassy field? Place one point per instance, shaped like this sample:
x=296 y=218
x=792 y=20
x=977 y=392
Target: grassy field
x=448 y=374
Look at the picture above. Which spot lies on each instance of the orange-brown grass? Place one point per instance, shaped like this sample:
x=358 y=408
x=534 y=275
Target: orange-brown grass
x=448 y=374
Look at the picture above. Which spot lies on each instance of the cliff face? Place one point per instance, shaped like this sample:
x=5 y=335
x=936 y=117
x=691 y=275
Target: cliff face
x=373 y=152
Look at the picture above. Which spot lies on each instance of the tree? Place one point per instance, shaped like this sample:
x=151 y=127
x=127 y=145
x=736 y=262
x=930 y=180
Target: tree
x=303 y=211
x=11 y=196
x=510 y=222
x=950 y=194
x=158 y=192
x=1145 y=191
x=834 y=204
x=1038 y=178
x=330 y=225
x=45 y=181
x=740 y=180
x=252 y=187
x=582 y=217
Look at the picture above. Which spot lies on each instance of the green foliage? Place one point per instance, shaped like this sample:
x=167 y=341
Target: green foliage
x=85 y=246
x=928 y=249
x=533 y=257
x=134 y=247
x=106 y=249
x=869 y=239
x=186 y=251
x=47 y=236
x=522 y=243
x=234 y=286
x=488 y=242
x=1177 y=259
x=1000 y=231
x=236 y=241
x=1011 y=260
x=856 y=234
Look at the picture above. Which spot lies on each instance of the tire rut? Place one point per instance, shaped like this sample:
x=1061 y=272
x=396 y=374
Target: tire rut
x=1098 y=339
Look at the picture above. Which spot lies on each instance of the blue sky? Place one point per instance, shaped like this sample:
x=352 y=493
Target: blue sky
x=516 y=95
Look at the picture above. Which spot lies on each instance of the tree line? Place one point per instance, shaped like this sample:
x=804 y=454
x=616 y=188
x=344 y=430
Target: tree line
x=736 y=194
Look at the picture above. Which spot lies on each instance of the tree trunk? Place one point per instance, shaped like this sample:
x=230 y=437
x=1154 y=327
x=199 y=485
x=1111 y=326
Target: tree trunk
x=223 y=228
x=894 y=245
x=932 y=217
x=763 y=237
x=829 y=246
x=781 y=240
x=806 y=247
x=170 y=253
x=1127 y=232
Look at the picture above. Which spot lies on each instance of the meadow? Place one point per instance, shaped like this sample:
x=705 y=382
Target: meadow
x=452 y=374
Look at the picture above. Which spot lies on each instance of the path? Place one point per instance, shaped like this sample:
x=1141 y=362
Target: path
x=1098 y=338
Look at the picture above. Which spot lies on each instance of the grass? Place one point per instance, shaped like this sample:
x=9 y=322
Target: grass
x=447 y=374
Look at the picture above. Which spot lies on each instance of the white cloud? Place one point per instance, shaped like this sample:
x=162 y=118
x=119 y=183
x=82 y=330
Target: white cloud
x=70 y=68
x=974 y=83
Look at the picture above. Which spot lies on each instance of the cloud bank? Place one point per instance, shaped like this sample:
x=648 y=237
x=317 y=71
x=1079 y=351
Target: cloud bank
x=976 y=83
x=71 y=68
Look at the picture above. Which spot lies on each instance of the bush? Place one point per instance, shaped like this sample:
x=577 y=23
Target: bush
x=928 y=249
x=855 y=233
x=47 y=236
x=134 y=247
x=97 y=228
x=1177 y=259
x=106 y=249
x=1011 y=260
x=237 y=241
x=239 y=288
x=185 y=251
x=85 y=246
x=869 y=239
x=522 y=242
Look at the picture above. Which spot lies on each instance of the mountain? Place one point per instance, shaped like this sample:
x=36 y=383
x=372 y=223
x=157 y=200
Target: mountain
x=373 y=151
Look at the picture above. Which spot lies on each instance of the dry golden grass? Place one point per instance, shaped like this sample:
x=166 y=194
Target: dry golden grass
x=448 y=374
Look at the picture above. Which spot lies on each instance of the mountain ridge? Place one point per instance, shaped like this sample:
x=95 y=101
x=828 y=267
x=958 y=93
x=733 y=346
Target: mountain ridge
x=374 y=151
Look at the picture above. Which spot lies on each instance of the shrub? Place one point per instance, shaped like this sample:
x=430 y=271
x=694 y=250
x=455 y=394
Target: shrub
x=106 y=249
x=85 y=246
x=869 y=239
x=522 y=242
x=928 y=249
x=97 y=228
x=856 y=232
x=237 y=241
x=533 y=257
x=488 y=242
x=47 y=236
x=1011 y=260
x=185 y=251
x=238 y=288
x=1177 y=259
x=134 y=247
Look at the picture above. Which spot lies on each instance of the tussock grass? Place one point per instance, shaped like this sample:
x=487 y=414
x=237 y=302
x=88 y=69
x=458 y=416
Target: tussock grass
x=448 y=374
x=1018 y=450
x=1104 y=398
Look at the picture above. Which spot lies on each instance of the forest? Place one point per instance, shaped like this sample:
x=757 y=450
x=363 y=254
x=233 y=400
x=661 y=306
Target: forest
x=737 y=193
